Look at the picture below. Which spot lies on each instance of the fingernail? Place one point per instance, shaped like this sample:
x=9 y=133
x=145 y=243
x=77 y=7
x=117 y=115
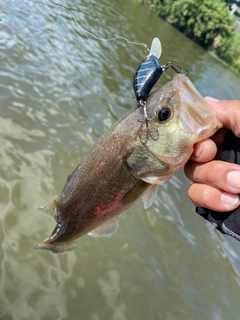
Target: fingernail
x=197 y=150
x=229 y=200
x=212 y=99
x=233 y=178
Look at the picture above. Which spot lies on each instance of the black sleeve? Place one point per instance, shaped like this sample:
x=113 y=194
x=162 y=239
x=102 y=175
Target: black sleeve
x=226 y=222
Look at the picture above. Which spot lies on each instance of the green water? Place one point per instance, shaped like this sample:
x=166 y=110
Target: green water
x=60 y=90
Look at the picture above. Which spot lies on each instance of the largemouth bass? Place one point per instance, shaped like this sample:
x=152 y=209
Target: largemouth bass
x=128 y=162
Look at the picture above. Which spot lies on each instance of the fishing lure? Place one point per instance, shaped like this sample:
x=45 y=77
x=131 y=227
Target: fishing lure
x=149 y=70
x=148 y=73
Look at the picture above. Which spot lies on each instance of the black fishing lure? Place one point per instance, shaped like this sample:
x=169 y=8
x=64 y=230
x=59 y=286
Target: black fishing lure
x=148 y=73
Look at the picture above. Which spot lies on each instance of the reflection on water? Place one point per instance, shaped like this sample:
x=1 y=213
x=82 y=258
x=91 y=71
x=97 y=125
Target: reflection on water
x=59 y=91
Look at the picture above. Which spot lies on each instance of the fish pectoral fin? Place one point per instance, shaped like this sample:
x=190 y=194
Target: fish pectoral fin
x=56 y=248
x=106 y=229
x=149 y=195
x=49 y=209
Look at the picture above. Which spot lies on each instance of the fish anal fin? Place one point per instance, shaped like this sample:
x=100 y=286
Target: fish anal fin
x=106 y=229
x=50 y=208
x=56 y=248
x=149 y=195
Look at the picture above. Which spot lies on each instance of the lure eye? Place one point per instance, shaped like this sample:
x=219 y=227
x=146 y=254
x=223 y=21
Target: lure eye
x=164 y=113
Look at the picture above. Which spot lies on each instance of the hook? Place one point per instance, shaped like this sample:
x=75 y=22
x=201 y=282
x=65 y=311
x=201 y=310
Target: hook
x=145 y=116
x=176 y=69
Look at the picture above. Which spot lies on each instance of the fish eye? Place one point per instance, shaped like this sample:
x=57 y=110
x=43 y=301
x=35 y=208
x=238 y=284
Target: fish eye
x=164 y=113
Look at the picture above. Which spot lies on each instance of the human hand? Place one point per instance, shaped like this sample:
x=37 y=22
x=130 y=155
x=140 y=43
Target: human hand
x=216 y=184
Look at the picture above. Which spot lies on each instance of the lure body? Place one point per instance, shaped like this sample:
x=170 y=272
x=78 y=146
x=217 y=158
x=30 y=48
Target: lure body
x=147 y=74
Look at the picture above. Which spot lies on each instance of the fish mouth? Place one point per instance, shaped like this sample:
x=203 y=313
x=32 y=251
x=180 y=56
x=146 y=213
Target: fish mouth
x=196 y=114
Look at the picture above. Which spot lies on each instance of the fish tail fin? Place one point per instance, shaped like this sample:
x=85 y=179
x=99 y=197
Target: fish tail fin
x=56 y=248
x=49 y=209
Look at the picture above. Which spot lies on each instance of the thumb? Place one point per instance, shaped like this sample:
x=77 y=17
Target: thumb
x=227 y=112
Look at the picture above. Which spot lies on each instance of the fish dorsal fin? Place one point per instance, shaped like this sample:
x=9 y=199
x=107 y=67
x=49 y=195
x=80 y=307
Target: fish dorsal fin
x=49 y=209
x=106 y=229
x=149 y=195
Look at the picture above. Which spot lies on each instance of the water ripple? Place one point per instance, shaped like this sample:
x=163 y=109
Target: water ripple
x=60 y=89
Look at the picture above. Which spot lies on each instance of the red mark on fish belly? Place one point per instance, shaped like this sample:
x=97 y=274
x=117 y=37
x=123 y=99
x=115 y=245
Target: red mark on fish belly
x=110 y=205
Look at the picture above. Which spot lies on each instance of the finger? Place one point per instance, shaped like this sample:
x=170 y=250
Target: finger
x=204 y=151
x=227 y=112
x=218 y=174
x=219 y=136
x=209 y=197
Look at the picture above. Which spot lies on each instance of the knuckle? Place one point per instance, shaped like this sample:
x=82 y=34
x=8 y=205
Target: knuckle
x=236 y=129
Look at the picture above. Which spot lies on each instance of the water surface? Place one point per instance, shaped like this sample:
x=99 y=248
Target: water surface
x=60 y=90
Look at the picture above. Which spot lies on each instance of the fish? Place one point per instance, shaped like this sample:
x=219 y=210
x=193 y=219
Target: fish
x=129 y=162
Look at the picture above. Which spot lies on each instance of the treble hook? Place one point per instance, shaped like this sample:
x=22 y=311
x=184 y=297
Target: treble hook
x=176 y=69
x=145 y=116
